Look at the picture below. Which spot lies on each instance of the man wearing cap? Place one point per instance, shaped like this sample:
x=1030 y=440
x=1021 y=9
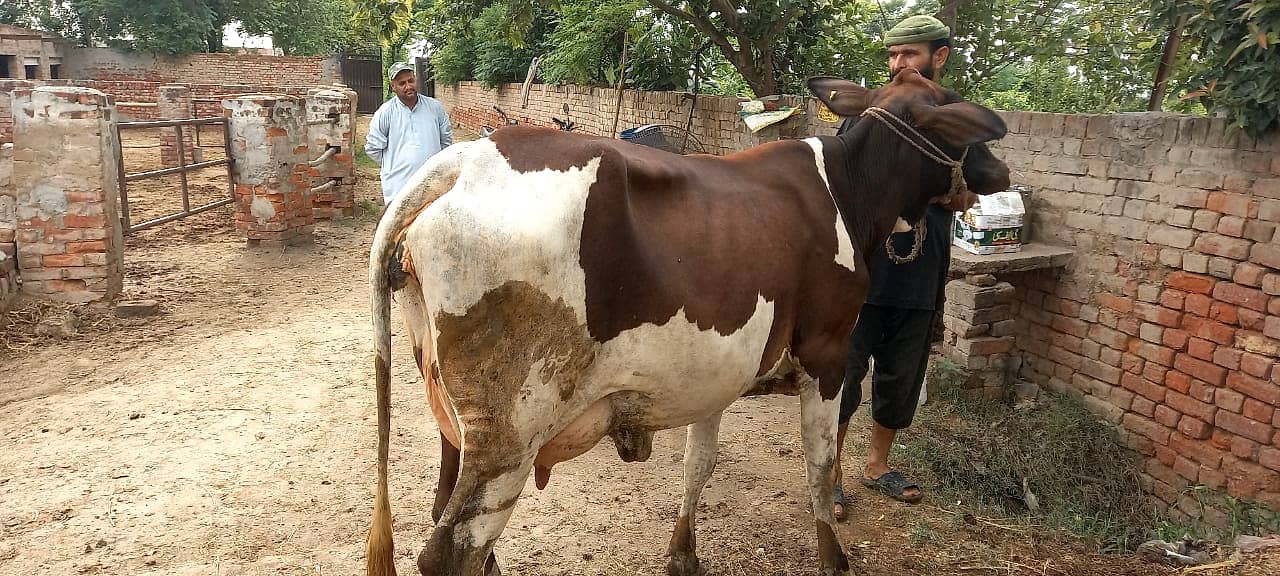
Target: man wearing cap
x=405 y=131
x=907 y=279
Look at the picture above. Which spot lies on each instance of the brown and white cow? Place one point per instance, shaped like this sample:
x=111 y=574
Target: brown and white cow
x=563 y=288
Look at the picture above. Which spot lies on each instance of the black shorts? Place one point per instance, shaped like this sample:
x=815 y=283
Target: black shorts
x=898 y=339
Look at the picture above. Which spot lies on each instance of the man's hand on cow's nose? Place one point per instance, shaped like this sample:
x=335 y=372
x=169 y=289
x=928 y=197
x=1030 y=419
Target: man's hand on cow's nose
x=959 y=202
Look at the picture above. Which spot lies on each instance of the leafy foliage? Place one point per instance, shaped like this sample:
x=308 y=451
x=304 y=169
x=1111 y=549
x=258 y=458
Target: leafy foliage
x=303 y=27
x=1237 y=42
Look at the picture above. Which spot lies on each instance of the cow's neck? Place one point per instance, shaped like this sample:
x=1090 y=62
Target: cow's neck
x=875 y=181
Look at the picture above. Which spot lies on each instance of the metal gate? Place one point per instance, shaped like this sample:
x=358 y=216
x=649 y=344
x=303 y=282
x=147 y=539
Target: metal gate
x=181 y=170
x=363 y=73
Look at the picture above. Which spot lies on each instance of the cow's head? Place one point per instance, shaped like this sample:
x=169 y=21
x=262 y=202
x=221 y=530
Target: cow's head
x=958 y=128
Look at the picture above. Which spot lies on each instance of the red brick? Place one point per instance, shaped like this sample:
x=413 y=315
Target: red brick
x=1165 y=455
x=1117 y=303
x=1152 y=353
x=1228 y=358
x=62 y=260
x=1244 y=448
x=1242 y=295
x=1173 y=299
x=1154 y=372
x=1221 y=439
x=1270 y=458
x=1197 y=304
x=1065 y=357
x=1271 y=327
x=1256 y=410
x=1209 y=329
x=1109 y=374
x=1132 y=363
x=1197 y=449
x=1251 y=319
x=1146 y=427
x=1212 y=478
x=1202 y=391
x=1249 y=274
x=1271 y=284
x=1108 y=337
x=1273 y=307
x=1143 y=407
x=1190 y=406
x=1225 y=313
x=87 y=247
x=1194 y=428
x=1175 y=339
x=1268 y=392
x=1224 y=246
x=1255 y=365
x=1266 y=255
x=1234 y=204
x=1176 y=380
x=1229 y=400
x=1164 y=474
x=1240 y=425
x=1143 y=387
x=1200 y=369
x=1073 y=326
x=1201 y=349
x=1231 y=226
x=1158 y=314
x=76 y=221
x=1187 y=282
x=1167 y=416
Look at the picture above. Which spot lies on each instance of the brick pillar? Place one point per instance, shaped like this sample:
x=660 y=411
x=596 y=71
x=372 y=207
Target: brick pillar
x=65 y=175
x=8 y=228
x=173 y=102
x=271 y=175
x=329 y=125
x=7 y=87
x=979 y=326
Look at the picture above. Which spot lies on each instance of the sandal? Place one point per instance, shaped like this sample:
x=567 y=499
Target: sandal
x=837 y=494
x=894 y=485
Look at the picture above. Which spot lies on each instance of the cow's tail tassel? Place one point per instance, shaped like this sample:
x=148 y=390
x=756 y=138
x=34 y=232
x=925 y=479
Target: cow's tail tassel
x=431 y=181
x=380 y=558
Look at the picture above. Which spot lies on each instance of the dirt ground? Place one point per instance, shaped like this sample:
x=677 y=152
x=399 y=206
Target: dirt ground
x=235 y=432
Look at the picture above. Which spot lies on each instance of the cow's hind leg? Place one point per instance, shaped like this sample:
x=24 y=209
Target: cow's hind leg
x=481 y=502
x=818 y=428
x=699 y=460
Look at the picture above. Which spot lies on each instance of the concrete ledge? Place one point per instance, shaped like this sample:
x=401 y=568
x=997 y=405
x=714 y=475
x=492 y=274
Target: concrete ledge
x=1032 y=257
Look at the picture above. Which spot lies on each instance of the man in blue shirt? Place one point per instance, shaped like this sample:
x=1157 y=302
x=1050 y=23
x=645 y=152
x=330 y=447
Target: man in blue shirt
x=405 y=131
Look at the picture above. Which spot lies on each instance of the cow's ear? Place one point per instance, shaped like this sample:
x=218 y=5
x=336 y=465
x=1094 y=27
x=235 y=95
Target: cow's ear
x=841 y=96
x=960 y=124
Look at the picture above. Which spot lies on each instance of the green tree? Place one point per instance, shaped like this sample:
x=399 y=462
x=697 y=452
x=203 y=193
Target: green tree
x=303 y=27
x=1235 y=42
x=388 y=22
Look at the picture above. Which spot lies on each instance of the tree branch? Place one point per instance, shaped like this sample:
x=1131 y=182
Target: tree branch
x=767 y=40
x=730 y=13
x=701 y=24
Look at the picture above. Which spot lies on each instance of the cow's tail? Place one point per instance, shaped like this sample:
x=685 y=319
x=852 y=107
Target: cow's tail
x=430 y=182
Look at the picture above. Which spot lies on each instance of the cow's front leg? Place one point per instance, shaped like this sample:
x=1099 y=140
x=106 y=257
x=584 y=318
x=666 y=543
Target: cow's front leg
x=818 y=428
x=482 y=501
x=699 y=461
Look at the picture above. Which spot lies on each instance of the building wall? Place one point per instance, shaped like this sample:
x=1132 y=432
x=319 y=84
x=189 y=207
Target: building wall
x=20 y=45
x=106 y=64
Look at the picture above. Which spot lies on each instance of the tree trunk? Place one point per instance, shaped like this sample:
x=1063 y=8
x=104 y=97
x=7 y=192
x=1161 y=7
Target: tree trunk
x=1165 y=66
x=949 y=12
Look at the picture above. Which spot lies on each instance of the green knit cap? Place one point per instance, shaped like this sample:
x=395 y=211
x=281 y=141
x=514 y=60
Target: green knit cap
x=920 y=28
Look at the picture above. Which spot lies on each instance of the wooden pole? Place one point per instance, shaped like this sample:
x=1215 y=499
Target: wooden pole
x=622 y=77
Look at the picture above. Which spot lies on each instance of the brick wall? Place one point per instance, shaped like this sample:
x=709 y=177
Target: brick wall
x=8 y=228
x=252 y=69
x=1167 y=324
x=715 y=122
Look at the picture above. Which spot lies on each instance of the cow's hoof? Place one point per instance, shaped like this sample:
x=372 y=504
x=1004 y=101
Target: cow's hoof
x=684 y=565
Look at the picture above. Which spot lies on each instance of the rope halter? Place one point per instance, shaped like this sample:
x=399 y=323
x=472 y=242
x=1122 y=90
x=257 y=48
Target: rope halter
x=898 y=125
x=958 y=185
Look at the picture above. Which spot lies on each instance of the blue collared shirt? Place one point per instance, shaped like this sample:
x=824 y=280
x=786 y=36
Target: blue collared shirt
x=401 y=139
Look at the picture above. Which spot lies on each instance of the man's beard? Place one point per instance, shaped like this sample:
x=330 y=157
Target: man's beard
x=927 y=72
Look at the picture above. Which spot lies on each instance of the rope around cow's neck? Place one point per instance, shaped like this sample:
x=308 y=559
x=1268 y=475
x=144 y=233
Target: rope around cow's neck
x=934 y=153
